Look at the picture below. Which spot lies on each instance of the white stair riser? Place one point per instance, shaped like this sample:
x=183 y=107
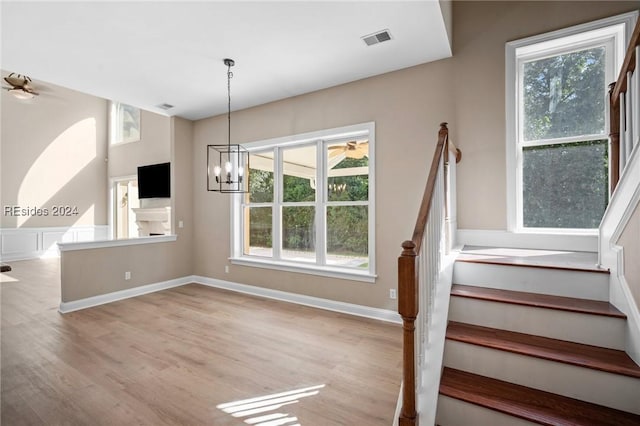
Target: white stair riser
x=558 y=282
x=596 y=330
x=454 y=412
x=598 y=387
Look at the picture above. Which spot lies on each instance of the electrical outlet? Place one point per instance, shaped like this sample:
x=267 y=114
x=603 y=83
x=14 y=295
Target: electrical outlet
x=226 y=269
x=392 y=293
x=180 y=224
x=127 y=275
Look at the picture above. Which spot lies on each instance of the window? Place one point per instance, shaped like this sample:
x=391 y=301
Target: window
x=125 y=193
x=124 y=123
x=310 y=207
x=557 y=145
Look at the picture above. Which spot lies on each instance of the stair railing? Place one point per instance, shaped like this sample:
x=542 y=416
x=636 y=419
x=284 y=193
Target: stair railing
x=624 y=95
x=419 y=267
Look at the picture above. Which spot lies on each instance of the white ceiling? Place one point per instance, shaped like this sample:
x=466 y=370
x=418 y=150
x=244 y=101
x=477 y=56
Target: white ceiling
x=150 y=53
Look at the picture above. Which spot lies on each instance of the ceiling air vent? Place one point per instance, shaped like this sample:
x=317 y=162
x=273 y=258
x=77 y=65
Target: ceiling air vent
x=165 y=106
x=376 y=38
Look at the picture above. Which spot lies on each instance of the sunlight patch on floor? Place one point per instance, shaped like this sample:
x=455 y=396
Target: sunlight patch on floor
x=256 y=411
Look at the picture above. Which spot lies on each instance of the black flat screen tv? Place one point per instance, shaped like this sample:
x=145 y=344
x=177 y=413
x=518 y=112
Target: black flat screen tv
x=154 y=181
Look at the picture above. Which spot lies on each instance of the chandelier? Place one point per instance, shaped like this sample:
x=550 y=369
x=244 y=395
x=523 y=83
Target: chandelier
x=228 y=164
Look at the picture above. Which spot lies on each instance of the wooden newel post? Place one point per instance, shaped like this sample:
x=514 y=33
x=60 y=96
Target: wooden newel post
x=614 y=138
x=408 y=309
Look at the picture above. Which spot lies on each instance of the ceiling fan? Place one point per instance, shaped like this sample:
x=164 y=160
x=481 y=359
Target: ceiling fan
x=351 y=149
x=20 y=86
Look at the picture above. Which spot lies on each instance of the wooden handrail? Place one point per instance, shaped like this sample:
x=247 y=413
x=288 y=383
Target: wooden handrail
x=616 y=89
x=408 y=280
x=629 y=64
x=423 y=213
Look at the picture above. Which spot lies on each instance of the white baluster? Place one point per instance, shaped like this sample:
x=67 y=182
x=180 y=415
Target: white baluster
x=636 y=101
x=623 y=134
x=628 y=111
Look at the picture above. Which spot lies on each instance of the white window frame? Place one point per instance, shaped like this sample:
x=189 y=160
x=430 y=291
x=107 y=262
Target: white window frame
x=613 y=32
x=115 y=131
x=321 y=139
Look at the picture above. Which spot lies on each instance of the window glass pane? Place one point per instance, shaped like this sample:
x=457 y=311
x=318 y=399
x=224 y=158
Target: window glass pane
x=564 y=95
x=261 y=177
x=348 y=171
x=258 y=233
x=347 y=236
x=127 y=123
x=299 y=233
x=299 y=174
x=565 y=185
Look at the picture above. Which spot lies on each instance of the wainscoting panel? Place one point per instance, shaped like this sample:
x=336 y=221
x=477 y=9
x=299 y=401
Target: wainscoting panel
x=31 y=243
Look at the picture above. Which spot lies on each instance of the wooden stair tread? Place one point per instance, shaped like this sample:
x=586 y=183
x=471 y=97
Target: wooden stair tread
x=530 y=404
x=573 y=261
x=570 y=304
x=594 y=357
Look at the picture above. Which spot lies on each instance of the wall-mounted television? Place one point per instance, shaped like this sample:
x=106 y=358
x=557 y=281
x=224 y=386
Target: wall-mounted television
x=154 y=181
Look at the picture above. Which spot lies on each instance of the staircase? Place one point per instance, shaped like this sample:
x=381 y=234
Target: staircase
x=532 y=339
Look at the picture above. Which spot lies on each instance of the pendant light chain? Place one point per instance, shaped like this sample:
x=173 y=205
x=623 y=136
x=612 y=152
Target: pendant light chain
x=228 y=164
x=229 y=77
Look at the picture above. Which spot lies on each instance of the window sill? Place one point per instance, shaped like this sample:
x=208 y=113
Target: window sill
x=120 y=143
x=324 y=271
x=557 y=231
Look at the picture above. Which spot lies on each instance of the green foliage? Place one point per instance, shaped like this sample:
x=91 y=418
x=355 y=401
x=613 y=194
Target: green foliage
x=356 y=188
x=564 y=95
x=296 y=189
x=260 y=186
x=347 y=225
x=347 y=230
x=298 y=228
x=565 y=185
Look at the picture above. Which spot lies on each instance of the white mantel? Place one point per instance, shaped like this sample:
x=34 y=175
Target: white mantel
x=155 y=220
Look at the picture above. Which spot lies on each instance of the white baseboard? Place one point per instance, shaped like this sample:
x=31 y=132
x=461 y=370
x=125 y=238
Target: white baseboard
x=621 y=297
x=66 y=307
x=301 y=299
x=33 y=243
x=499 y=238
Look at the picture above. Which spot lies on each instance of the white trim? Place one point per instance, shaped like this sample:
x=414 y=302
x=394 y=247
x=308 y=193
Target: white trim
x=531 y=240
x=113 y=181
x=116 y=243
x=33 y=243
x=320 y=139
x=311 y=269
x=89 y=302
x=434 y=356
x=511 y=92
x=620 y=296
x=301 y=299
x=622 y=205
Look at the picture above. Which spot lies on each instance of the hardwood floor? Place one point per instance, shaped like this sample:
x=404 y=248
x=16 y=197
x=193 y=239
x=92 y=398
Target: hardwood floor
x=192 y=355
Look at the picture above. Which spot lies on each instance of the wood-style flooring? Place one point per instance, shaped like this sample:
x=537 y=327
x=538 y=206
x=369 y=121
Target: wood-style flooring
x=192 y=355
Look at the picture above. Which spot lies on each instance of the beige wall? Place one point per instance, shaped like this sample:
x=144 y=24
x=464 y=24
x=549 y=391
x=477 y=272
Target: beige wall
x=87 y=273
x=481 y=30
x=53 y=150
x=406 y=106
x=153 y=147
x=466 y=90
x=630 y=240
